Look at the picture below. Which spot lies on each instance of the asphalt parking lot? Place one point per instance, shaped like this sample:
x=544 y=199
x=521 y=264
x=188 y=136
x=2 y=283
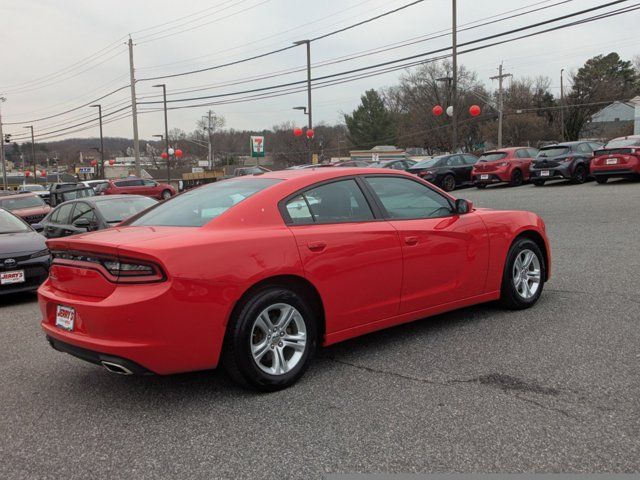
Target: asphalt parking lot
x=552 y=389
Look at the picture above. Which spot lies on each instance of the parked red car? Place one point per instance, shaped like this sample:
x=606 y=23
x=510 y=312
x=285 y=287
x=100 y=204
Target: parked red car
x=136 y=186
x=620 y=158
x=255 y=272
x=507 y=165
x=28 y=206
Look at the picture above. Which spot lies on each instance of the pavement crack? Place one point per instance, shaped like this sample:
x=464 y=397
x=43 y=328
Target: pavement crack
x=544 y=407
x=390 y=373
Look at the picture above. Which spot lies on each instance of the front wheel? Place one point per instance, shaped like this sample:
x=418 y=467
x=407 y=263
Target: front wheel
x=166 y=194
x=448 y=183
x=271 y=339
x=523 y=276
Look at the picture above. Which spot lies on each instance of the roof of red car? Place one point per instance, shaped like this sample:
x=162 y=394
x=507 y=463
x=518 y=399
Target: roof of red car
x=506 y=149
x=318 y=174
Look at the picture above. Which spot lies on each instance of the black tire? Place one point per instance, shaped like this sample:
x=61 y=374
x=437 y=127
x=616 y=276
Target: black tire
x=601 y=179
x=539 y=183
x=517 y=178
x=237 y=358
x=448 y=183
x=166 y=194
x=481 y=186
x=509 y=296
x=579 y=175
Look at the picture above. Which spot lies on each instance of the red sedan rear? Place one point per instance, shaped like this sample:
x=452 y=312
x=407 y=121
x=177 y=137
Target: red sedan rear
x=619 y=158
x=255 y=272
x=507 y=165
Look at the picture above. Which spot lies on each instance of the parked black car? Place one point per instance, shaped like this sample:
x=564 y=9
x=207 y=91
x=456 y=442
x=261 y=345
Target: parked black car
x=71 y=192
x=447 y=171
x=394 y=164
x=564 y=161
x=92 y=213
x=24 y=257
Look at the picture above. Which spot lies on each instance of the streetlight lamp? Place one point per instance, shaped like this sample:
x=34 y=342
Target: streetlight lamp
x=101 y=166
x=33 y=154
x=166 y=129
x=304 y=109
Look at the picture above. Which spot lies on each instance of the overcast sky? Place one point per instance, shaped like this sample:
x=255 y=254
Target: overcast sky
x=59 y=54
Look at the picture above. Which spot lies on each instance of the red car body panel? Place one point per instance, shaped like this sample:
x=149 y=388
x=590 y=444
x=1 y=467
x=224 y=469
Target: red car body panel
x=147 y=190
x=369 y=275
x=498 y=172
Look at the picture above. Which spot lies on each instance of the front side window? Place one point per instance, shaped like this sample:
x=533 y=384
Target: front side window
x=83 y=211
x=63 y=214
x=197 y=207
x=454 y=161
x=117 y=210
x=335 y=202
x=404 y=198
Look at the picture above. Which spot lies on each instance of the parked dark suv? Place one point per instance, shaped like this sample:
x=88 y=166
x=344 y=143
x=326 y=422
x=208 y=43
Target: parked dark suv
x=564 y=161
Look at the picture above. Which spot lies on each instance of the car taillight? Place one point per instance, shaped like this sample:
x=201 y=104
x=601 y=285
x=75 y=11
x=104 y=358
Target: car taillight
x=118 y=270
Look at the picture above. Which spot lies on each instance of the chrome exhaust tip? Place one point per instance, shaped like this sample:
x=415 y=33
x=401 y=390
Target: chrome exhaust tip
x=116 y=368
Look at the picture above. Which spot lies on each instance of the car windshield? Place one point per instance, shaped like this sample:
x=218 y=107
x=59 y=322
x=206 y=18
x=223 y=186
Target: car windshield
x=195 y=208
x=432 y=162
x=118 y=209
x=492 y=156
x=623 y=142
x=553 y=152
x=32 y=188
x=11 y=224
x=13 y=203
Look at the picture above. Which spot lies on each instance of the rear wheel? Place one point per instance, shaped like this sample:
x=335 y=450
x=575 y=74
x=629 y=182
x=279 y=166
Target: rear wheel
x=516 y=178
x=271 y=339
x=448 y=183
x=579 y=174
x=539 y=183
x=523 y=276
x=601 y=179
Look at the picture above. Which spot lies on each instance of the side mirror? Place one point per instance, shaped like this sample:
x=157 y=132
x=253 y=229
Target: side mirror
x=82 y=223
x=463 y=206
x=38 y=227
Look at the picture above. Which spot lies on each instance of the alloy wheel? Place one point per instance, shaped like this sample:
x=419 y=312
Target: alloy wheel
x=527 y=274
x=278 y=339
x=448 y=183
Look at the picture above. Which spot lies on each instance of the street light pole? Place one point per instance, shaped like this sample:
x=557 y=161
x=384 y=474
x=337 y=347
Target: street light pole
x=33 y=154
x=562 y=105
x=2 y=159
x=100 y=172
x=166 y=130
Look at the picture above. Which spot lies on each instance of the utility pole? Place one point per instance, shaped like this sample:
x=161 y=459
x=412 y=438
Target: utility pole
x=134 y=110
x=101 y=166
x=454 y=87
x=309 y=111
x=562 y=105
x=209 y=139
x=2 y=159
x=500 y=77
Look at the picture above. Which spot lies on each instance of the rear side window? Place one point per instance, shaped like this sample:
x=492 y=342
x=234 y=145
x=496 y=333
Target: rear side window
x=470 y=159
x=522 y=153
x=197 y=207
x=335 y=202
x=404 y=198
x=83 y=211
x=63 y=213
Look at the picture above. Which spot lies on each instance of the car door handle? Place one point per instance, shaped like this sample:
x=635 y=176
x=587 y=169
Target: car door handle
x=411 y=240
x=316 y=246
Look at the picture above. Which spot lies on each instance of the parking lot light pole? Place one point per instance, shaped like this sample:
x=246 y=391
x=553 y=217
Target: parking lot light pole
x=100 y=172
x=166 y=130
x=33 y=154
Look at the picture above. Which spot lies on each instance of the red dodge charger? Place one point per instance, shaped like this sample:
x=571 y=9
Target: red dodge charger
x=256 y=272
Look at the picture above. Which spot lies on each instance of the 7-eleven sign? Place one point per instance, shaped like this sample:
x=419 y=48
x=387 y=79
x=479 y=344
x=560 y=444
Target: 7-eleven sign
x=257 y=146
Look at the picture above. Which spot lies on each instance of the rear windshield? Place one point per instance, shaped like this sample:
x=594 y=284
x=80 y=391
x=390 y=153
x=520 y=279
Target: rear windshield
x=428 y=163
x=196 y=207
x=622 y=142
x=119 y=209
x=553 y=152
x=21 y=202
x=492 y=156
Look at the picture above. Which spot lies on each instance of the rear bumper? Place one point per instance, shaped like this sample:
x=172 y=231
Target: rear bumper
x=164 y=328
x=615 y=172
x=97 y=357
x=555 y=173
x=494 y=177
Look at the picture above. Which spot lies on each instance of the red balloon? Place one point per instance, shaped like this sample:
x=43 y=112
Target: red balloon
x=437 y=110
x=27 y=173
x=164 y=155
x=43 y=173
x=112 y=161
x=310 y=133
x=474 y=110
x=297 y=131
x=94 y=163
x=178 y=153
